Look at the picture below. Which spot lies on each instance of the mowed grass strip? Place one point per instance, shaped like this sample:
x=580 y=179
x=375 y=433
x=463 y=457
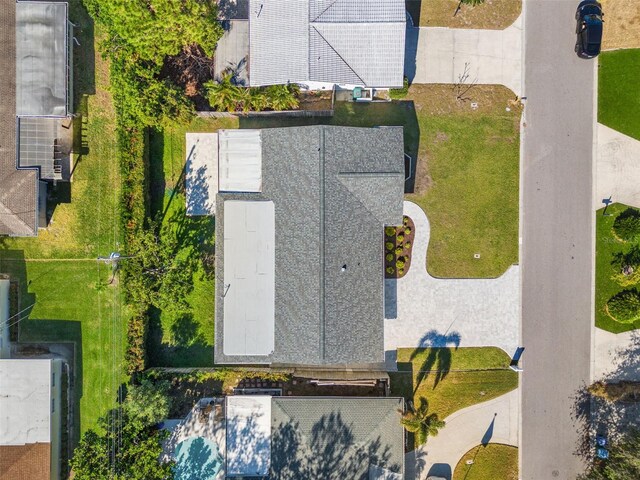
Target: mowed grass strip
x=618 y=92
x=452 y=379
x=491 y=462
x=607 y=246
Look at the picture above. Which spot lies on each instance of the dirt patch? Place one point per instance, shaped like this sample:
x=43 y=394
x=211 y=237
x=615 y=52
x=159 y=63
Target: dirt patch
x=398 y=242
x=492 y=14
x=190 y=70
x=622 y=24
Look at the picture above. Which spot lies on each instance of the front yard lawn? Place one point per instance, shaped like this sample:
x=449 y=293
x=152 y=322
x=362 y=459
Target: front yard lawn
x=467 y=178
x=607 y=247
x=491 y=462
x=452 y=379
x=618 y=93
x=492 y=14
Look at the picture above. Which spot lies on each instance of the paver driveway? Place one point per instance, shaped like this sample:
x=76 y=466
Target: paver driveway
x=439 y=55
x=425 y=311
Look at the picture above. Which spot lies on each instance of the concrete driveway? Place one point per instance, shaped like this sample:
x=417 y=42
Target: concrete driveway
x=442 y=55
x=618 y=168
x=425 y=311
x=494 y=421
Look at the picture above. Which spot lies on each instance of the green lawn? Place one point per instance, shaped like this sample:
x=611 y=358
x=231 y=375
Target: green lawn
x=493 y=462
x=618 y=93
x=607 y=245
x=467 y=174
x=73 y=302
x=452 y=379
x=182 y=337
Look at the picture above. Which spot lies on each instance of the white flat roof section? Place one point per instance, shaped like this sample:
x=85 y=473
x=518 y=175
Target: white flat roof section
x=41 y=58
x=249 y=278
x=201 y=173
x=25 y=401
x=248 y=435
x=240 y=161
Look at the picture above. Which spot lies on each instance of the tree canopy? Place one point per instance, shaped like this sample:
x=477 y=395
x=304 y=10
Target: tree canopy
x=623 y=462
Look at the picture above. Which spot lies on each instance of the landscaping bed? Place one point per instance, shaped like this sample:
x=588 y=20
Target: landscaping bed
x=622 y=28
x=618 y=93
x=398 y=243
x=491 y=462
x=489 y=14
x=452 y=378
x=617 y=300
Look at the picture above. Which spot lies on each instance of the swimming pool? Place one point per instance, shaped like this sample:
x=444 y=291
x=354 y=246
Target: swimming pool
x=197 y=458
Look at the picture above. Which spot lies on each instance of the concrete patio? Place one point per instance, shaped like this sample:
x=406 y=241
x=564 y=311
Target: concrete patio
x=425 y=311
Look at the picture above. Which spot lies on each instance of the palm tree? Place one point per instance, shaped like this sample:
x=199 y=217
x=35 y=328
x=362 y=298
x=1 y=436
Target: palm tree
x=224 y=95
x=422 y=423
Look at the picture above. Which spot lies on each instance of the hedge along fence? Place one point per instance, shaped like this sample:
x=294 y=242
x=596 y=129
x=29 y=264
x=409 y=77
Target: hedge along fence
x=269 y=113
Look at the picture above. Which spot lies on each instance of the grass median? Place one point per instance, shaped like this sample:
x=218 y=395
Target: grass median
x=491 y=462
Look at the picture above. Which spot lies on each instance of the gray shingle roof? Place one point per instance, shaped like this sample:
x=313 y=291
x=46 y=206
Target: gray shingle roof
x=18 y=188
x=337 y=41
x=334 y=188
x=335 y=438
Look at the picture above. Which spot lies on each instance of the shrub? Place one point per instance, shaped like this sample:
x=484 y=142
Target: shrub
x=400 y=272
x=407 y=231
x=614 y=391
x=389 y=257
x=399 y=264
x=399 y=250
x=398 y=93
x=627 y=225
x=407 y=245
x=405 y=220
x=401 y=238
x=390 y=270
x=390 y=231
x=625 y=306
x=390 y=246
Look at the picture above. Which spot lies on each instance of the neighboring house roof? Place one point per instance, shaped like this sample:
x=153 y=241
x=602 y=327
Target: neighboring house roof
x=333 y=189
x=357 y=42
x=33 y=81
x=25 y=462
x=25 y=401
x=326 y=438
x=41 y=58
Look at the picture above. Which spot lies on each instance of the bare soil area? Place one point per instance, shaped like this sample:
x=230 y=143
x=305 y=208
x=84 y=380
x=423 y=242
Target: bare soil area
x=622 y=24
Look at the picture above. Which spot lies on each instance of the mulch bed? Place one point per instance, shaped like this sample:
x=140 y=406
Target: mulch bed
x=398 y=245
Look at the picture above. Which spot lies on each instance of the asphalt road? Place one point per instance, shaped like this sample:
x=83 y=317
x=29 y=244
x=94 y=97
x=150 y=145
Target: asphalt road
x=557 y=248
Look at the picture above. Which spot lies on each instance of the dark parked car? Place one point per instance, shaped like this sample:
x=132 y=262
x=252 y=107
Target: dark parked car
x=589 y=28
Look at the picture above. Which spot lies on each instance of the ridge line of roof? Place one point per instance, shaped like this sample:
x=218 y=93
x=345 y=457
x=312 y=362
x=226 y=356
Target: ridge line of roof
x=324 y=11
x=338 y=54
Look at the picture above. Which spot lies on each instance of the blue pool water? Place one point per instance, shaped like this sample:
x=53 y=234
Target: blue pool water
x=197 y=458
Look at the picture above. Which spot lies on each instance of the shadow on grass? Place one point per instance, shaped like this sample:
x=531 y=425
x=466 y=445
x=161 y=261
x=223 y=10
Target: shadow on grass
x=189 y=349
x=438 y=359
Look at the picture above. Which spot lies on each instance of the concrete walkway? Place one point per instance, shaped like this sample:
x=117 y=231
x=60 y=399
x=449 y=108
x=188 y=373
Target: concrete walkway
x=494 y=421
x=425 y=311
x=618 y=168
x=439 y=55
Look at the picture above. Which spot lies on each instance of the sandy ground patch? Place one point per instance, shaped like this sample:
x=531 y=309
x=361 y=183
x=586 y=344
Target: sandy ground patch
x=622 y=24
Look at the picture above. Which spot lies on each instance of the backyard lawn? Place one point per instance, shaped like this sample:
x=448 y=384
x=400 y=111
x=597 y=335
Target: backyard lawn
x=607 y=246
x=493 y=14
x=491 y=462
x=58 y=269
x=618 y=93
x=452 y=379
x=183 y=336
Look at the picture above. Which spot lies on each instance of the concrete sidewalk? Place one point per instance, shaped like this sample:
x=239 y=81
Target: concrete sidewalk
x=421 y=310
x=494 y=421
x=439 y=55
x=618 y=168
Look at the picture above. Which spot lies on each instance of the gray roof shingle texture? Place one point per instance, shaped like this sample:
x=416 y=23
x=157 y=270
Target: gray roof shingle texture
x=336 y=41
x=335 y=438
x=18 y=188
x=334 y=188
